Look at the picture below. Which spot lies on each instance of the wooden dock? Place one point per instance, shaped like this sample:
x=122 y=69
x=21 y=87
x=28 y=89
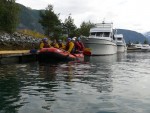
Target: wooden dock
x=17 y=56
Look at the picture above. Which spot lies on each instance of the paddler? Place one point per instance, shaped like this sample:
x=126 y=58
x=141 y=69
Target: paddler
x=55 y=44
x=61 y=44
x=70 y=45
x=44 y=43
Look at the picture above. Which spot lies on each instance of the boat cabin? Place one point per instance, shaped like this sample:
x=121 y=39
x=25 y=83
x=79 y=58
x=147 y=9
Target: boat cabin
x=102 y=30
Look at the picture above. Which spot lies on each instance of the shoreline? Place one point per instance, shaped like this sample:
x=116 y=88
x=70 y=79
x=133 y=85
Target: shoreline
x=17 y=41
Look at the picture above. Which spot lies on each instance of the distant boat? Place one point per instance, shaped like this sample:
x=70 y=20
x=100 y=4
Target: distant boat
x=145 y=47
x=121 y=44
x=139 y=47
x=135 y=47
x=100 y=40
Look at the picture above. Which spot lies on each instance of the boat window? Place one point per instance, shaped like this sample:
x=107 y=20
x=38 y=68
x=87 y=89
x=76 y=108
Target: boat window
x=119 y=38
x=106 y=34
x=93 y=33
x=99 y=34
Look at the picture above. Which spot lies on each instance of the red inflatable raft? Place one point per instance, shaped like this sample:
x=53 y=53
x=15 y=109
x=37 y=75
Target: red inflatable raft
x=54 y=54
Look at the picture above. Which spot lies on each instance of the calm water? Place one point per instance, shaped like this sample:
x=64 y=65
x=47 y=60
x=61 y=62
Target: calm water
x=105 y=84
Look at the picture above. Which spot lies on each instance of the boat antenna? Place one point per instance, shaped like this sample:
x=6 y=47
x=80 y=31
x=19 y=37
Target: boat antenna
x=103 y=22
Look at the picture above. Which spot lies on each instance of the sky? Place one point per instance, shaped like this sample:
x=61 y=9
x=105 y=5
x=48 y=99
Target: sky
x=124 y=14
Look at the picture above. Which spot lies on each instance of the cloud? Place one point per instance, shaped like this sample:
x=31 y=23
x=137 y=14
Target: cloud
x=123 y=2
x=123 y=13
x=71 y=6
x=34 y=4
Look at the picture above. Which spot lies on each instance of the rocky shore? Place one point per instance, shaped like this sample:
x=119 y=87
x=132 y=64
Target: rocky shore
x=18 y=41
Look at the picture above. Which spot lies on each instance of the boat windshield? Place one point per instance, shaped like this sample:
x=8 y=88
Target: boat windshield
x=106 y=34
x=93 y=33
x=100 y=34
x=119 y=39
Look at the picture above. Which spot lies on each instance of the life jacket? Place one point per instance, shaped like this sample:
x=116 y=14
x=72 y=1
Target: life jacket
x=81 y=46
x=77 y=46
x=68 y=47
x=55 y=45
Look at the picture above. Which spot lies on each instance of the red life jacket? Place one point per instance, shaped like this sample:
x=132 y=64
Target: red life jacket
x=81 y=45
x=77 y=46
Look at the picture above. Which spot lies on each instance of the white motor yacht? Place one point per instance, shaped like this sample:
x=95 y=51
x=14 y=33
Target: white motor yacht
x=121 y=44
x=100 y=40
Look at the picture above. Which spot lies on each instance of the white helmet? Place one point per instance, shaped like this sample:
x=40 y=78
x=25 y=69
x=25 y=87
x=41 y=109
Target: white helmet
x=74 y=38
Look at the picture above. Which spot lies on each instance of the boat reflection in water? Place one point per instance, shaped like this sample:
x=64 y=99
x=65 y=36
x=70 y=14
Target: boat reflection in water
x=101 y=59
x=106 y=58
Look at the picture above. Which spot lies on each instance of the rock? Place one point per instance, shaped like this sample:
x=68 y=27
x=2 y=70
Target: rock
x=17 y=41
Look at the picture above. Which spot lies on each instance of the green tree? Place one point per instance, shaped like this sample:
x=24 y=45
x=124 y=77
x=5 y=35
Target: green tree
x=1 y=13
x=70 y=26
x=50 y=22
x=85 y=28
x=9 y=11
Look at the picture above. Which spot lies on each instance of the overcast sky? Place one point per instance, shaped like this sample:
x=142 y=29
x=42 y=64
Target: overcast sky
x=125 y=14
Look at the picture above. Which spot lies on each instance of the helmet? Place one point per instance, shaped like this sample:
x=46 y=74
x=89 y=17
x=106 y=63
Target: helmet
x=59 y=40
x=79 y=38
x=69 y=39
x=45 y=39
x=73 y=39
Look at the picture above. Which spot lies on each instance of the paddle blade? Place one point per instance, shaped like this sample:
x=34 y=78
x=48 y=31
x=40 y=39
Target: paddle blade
x=87 y=51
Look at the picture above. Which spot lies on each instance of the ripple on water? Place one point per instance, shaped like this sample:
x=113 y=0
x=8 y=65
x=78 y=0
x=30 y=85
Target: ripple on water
x=117 y=85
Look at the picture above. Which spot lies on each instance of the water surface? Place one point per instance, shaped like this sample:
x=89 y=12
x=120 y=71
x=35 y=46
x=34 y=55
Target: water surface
x=103 y=84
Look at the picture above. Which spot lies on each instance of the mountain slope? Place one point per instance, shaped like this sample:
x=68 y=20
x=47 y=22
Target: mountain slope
x=29 y=19
x=147 y=35
x=132 y=36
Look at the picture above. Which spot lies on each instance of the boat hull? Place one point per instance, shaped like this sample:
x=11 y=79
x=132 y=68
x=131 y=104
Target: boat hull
x=100 y=46
x=121 y=48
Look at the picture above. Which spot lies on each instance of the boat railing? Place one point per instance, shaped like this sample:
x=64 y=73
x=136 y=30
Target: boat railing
x=104 y=25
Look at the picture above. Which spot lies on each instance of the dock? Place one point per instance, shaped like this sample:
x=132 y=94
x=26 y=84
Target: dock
x=17 y=56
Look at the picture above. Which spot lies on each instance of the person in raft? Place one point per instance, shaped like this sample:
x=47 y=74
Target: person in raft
x=55 y=44
x=61 y=44
x=70 y=45
x=81 y=45
x=44 y=43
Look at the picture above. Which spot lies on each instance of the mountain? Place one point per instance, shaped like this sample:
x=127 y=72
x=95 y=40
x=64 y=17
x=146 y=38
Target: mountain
x=147 y=35
x=28 y=19
x=131 y=36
